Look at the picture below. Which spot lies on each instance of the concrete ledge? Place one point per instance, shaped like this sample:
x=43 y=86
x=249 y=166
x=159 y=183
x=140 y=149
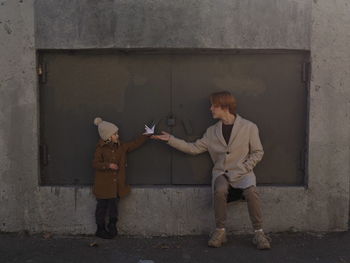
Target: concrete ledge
x=162 y=211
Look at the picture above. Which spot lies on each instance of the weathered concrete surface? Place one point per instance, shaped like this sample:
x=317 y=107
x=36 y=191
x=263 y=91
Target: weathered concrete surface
x=188 y=210
x=18 y=108
x=60 y=210
x=324 y=206
x=173 y=24
x=161 y=211
x=329 y=135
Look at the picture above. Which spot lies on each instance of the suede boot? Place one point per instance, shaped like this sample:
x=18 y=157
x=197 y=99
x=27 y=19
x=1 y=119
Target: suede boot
x=112 y=227
x=102 y=233
x=218 y=238
x=261 y=240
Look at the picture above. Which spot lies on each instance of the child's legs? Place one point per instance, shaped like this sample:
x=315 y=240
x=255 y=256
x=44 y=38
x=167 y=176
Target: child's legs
x=101 y=211
x=113 y=208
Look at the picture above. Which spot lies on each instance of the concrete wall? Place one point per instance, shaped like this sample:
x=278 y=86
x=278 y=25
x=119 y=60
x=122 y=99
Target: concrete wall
x=173 y=24
x=320 y=26
x=329 y=142
x=18 y=112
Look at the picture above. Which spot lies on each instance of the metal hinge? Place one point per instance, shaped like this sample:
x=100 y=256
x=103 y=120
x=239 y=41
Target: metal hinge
x=40 y=70
x=44 y=155
x=42 y=73
x=302 y=159
x=306 y=72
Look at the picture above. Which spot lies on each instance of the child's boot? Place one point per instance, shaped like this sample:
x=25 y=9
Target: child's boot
x=112 y=227
x=102 y=233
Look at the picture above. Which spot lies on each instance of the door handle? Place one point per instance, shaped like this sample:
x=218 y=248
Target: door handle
x=44 y=156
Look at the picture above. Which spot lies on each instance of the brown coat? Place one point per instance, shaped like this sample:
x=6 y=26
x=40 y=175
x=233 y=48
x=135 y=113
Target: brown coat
x=110 y=183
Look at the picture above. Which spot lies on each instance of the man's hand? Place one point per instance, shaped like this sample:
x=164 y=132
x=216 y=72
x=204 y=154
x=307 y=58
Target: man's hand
x=163 y=137
x=113 y=166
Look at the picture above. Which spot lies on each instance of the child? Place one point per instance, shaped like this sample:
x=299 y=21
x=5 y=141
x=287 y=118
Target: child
x=110 y=184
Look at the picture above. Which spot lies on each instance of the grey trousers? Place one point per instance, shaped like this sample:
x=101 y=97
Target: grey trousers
x=221 y=187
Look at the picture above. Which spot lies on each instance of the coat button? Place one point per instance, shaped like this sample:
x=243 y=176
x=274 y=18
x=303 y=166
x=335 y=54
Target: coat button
x=227 y=152
x=226 y=171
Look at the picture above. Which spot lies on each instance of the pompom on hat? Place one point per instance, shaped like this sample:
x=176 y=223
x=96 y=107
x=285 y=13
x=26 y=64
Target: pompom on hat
x=105 y=128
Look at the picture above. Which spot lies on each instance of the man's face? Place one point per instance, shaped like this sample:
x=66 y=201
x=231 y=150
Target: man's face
x=217 y=111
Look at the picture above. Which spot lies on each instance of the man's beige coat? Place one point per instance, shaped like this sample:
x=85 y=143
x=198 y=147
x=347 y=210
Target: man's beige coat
x=235 y=159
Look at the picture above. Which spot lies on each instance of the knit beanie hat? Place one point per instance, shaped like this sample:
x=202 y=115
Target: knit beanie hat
x=105 y=129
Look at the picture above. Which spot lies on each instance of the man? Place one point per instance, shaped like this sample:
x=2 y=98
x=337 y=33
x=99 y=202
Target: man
x=235 y=148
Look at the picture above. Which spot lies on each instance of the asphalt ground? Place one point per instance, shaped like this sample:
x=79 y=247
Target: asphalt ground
x=286 y=247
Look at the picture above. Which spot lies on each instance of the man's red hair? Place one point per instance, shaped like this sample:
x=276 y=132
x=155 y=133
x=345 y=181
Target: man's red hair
x=225 y=100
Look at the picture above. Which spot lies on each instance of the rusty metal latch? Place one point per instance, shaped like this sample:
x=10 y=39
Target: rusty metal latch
x=41 y=71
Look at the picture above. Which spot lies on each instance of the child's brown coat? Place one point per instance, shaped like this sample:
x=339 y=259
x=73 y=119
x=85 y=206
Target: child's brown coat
x=110 y=183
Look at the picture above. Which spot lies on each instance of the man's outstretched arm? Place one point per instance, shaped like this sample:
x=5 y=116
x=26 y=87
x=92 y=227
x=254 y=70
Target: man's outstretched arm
x=197 y=147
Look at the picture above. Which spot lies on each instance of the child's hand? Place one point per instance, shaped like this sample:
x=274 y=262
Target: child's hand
x=164 y=136
x=113 y=166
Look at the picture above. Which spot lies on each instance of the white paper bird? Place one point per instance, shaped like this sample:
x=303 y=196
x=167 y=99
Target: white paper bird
x=149 y=130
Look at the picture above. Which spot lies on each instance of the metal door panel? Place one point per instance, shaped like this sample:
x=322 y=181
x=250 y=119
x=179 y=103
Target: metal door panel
x=270 y=92
x=128 y=91
x=191 y=105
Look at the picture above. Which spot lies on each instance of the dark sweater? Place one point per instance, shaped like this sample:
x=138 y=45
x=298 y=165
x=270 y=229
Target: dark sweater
x=234 y=194
x=226 y=131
